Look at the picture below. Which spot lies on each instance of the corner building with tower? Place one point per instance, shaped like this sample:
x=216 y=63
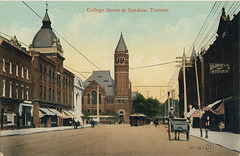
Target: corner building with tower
x=114 y=95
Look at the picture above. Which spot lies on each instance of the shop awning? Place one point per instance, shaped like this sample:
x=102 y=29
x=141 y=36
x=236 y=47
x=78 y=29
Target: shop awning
x=70 y=115
x=40 y=114
x=45 y=111
x=215 y=109
x=196 y=113
x=59 y=113
x=191 y=112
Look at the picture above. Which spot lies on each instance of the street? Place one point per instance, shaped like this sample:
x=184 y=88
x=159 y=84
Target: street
x=109 y=140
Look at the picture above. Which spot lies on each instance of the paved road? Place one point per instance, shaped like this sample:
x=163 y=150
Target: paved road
x=109 y=140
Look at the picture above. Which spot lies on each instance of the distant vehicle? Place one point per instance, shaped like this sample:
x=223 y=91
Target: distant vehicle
x=103 y=119
x=138 y=119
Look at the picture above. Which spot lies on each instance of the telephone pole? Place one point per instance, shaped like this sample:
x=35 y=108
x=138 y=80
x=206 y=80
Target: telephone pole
x=184 y=63
x=98 y=103
x=199 y=103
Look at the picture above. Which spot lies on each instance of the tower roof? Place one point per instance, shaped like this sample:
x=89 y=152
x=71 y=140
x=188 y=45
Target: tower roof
x=45 y=36
x=121 y=45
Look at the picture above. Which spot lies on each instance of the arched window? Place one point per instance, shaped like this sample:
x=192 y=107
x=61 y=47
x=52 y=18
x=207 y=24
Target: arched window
x=4 y=67
x=10 y=67
x=121 y=113
x=16 y=70
x=22 y=72
x=94 y=97
x=27 y=73
x=99 y=98
x=88 y=98
x=40 y=71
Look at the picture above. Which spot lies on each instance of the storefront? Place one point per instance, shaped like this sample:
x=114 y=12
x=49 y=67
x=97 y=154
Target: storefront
x=47 y=118
x=26 y=114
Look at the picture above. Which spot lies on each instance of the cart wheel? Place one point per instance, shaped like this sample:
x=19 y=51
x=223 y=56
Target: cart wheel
x=187 y=136
x=169 y=131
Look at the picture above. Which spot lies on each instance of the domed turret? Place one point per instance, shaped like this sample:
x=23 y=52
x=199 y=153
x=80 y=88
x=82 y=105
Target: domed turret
x=45 y=41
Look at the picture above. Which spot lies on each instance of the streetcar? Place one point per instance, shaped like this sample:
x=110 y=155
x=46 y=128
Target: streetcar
x=138 y=119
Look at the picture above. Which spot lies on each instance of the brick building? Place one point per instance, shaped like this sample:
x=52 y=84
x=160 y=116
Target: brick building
x=218 y=73
x=53 y=84
x=113 y=95
x=16 y=81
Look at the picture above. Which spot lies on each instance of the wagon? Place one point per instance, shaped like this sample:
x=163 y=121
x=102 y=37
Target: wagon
x=178 y=125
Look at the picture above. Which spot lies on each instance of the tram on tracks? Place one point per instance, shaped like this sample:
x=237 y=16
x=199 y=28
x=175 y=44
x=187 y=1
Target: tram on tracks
x=138 y=119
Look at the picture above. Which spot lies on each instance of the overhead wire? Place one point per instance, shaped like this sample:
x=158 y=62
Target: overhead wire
x=63 y=38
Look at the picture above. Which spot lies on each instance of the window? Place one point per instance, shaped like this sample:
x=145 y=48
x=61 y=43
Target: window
x=16 y=70
x=58 y=79
x=27 y=73
x=63 y=82
x=66 y=82
x=40 y=91
x=16 y=91
x=120 y=60
x=53 y=94
x=22 y=92
x=27 y=93
x=44 y=73
x=63 y=97
x=22 y=72
x=10 y=67
x=70 y=99
x=44 y=93
x=66 y=99
x=94 y=97
x=58 y=96
x=119 y=101
x=99 y=98
x=123 y=101
x=40 y=71
x=3 y=88
x=88 y=98
x=107 y=101
x=10 y=118
x=53 y=78
x=50 y=76
x=10 y=89
x=88 y=110
x=50 y=92
x=4 y=65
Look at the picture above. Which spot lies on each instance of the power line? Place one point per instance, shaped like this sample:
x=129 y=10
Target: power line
x=75 y=71
x=153 y=65
x=64 y=38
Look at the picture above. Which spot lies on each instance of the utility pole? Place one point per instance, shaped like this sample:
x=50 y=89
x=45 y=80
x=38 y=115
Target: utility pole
x=199 y=104
x=173 y=99
x=168 y=102
x=98 y=103
x=185 y=63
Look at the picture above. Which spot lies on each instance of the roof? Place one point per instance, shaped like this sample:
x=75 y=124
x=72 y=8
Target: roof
x=104 y=79
x=45 y=36
x=121 y=45
x=78 y=82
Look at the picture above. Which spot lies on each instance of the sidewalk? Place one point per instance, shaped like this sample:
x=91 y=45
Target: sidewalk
x=36 y=130
x=225 y=139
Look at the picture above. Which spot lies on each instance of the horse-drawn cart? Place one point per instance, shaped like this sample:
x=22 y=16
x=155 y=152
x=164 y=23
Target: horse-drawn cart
x=178 y=125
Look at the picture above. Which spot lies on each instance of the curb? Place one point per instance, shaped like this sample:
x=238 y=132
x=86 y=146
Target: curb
x=215 y=143
x=53 y=130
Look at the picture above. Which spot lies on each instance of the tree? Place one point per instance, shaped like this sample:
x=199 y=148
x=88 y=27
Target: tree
x=149 y=107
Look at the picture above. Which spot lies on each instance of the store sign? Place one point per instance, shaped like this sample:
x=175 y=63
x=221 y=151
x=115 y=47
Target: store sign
x=219 y=68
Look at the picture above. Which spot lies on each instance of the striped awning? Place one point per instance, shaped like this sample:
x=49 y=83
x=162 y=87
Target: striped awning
x=45 y=111
x=59 y=113
x=70 y=115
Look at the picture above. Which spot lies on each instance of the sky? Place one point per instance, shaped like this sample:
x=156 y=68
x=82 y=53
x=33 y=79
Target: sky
x=151 y=37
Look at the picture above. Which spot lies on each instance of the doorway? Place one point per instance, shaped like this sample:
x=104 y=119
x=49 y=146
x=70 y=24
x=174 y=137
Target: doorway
x=2 y=114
